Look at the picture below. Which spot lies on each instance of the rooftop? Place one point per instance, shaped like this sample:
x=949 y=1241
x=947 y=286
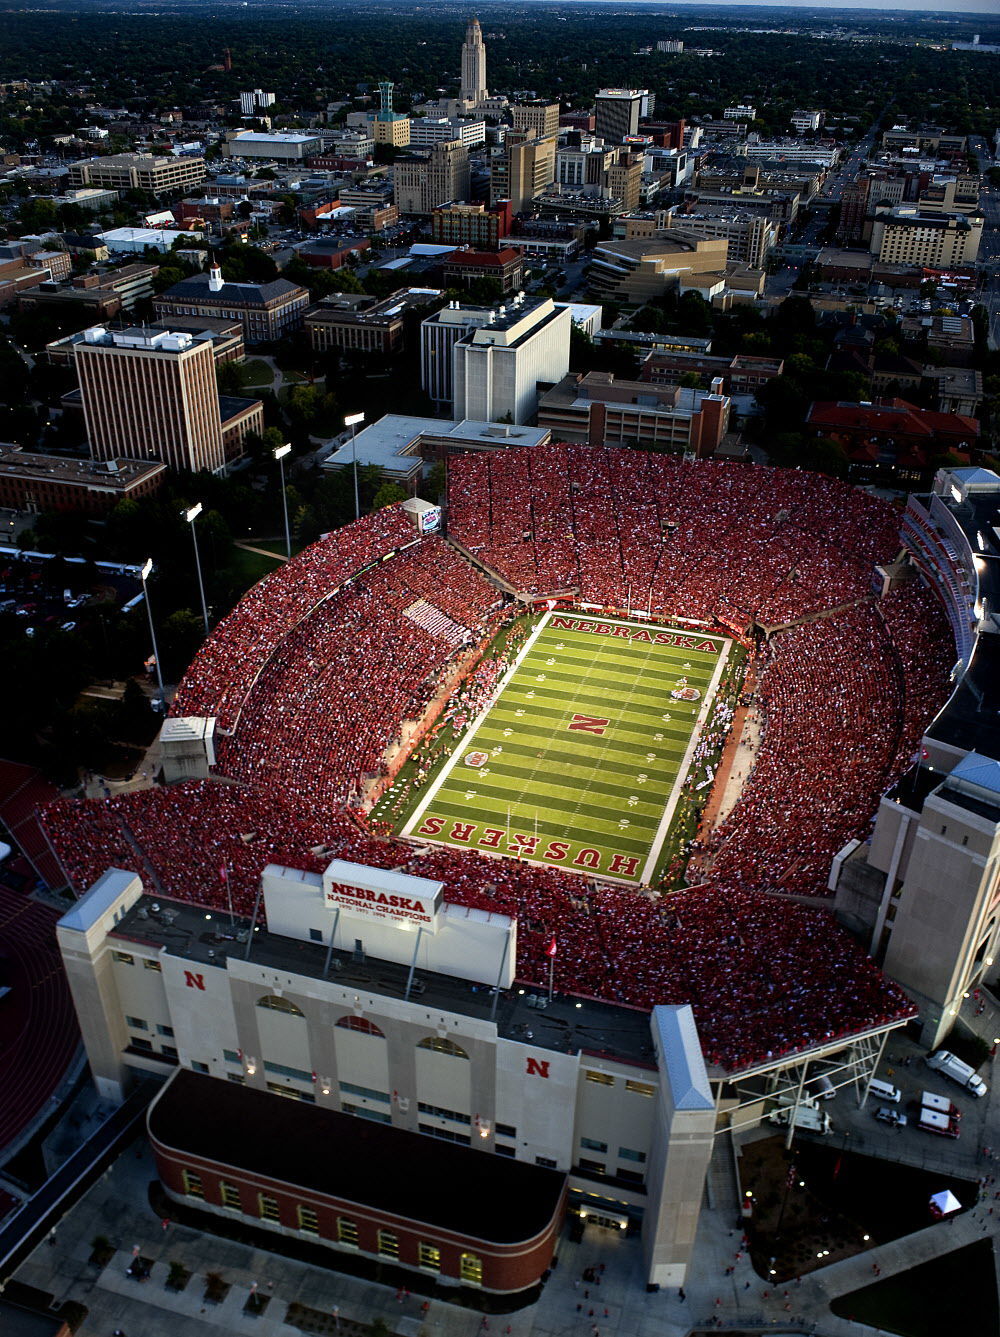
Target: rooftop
x=567 y=1025
x=397 y=437
x=485 y=1197
x=275 y=137
x=110 y=475
x=197 y=287
x=362 y=308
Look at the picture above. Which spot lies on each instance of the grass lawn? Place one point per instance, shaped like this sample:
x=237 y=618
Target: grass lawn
x=249 y=567
x=956 y=1293
x=277 y=546
x=579 y=760
x=255 y=371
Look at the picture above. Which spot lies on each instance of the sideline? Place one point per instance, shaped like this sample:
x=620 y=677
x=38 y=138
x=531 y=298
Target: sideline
x=463 y=743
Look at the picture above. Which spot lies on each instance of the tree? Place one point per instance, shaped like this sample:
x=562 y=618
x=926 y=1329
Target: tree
x=247 y=264
x=180 y=635
x=387 y=495
x=229 y=378
x=37 y=215
x=824 y=456
x=436 y=480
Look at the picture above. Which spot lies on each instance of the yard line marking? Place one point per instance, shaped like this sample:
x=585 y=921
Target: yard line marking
x=463 y=742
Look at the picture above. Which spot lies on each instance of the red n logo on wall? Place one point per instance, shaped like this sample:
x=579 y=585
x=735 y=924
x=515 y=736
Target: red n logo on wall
x=538 y=1067
x=588 y=723
x=194 y=981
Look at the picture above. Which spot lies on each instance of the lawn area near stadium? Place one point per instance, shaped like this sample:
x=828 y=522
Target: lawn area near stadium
x=579 y=760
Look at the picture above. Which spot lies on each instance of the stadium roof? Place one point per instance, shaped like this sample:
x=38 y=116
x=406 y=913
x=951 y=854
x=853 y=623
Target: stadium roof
x=983 y=772
x=388 y=1169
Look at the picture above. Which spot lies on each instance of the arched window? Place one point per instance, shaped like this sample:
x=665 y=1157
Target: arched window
x=362 y=1025
x=276 y=1004
x=440 y=1046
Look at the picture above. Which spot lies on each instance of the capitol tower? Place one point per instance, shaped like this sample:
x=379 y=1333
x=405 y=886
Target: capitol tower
x=473 y=66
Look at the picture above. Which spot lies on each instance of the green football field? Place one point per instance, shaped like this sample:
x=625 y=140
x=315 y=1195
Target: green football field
x=579 y=760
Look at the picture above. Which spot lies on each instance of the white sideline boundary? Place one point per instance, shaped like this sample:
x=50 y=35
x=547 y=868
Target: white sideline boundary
x=660 y=835
x=685 y=766
x=466 y=739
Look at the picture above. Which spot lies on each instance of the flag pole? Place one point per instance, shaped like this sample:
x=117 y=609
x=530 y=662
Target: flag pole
x=229 y=895
x=552 y=970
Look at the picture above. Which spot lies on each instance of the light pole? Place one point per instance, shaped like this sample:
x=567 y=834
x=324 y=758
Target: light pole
x=352 y=421
x=279 y=454
x=191 y=515
x=144 y=573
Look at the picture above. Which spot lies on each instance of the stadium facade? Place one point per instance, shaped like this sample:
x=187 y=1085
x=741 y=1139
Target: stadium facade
x=370 y=996
x=931 y=871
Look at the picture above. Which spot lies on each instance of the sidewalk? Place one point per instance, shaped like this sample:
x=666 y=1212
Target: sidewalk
x=118 y=1208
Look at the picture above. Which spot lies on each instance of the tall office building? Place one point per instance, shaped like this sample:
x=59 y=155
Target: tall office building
x=390 y=127
x=522 y=169
x=619 y=110
x=255 y=100
x=151 y=394
x=910 y=235
x=537 y=117
x=497 y=367
x=421 y=184
x=473 y=66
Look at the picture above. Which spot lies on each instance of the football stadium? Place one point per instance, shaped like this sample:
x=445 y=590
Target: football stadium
x=441 y=845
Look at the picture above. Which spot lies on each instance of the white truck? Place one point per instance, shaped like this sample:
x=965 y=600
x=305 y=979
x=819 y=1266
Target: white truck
x=946 y=1062
x=807 y=1117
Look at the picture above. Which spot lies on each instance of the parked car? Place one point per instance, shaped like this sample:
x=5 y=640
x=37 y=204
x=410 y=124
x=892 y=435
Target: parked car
x=886 y=1114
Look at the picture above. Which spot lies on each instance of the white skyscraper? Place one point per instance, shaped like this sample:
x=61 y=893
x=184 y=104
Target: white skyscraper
x=473 y=65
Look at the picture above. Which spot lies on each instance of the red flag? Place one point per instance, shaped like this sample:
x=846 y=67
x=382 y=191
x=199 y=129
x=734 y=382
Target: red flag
x=551 y=949
x=224 y=873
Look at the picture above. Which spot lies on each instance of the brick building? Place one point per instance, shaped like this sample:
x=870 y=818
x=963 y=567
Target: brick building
x=891 y=436
x=230 y=1151
x=598 y=409
x=476 y=225
x=30 y=482
x=356 y=322
x=506 y=267
x=266 y=310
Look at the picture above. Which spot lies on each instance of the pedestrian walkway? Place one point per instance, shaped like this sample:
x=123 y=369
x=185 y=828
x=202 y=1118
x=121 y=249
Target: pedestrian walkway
x=263 y=552
x=722 y=1287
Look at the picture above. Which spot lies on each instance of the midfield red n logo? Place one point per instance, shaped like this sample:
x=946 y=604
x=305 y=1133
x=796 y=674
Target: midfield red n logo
x=588 y=723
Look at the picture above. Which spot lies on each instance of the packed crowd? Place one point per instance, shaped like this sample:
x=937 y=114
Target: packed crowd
x=333 y=695
x=227 y=665
x=764 y=977
x=201 y=840
x=313 y=674
x=629 y=529
x=829 y=695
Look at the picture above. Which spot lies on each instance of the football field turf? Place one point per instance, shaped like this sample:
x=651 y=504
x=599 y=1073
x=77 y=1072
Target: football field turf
x=579 y=760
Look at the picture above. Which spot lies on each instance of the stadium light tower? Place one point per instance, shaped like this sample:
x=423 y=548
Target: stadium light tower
x=279 y=454
x=144 y=573
x=191 y=515
x=352 y=421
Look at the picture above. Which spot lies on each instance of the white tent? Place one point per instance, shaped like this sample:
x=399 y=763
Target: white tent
x=944 y=1203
